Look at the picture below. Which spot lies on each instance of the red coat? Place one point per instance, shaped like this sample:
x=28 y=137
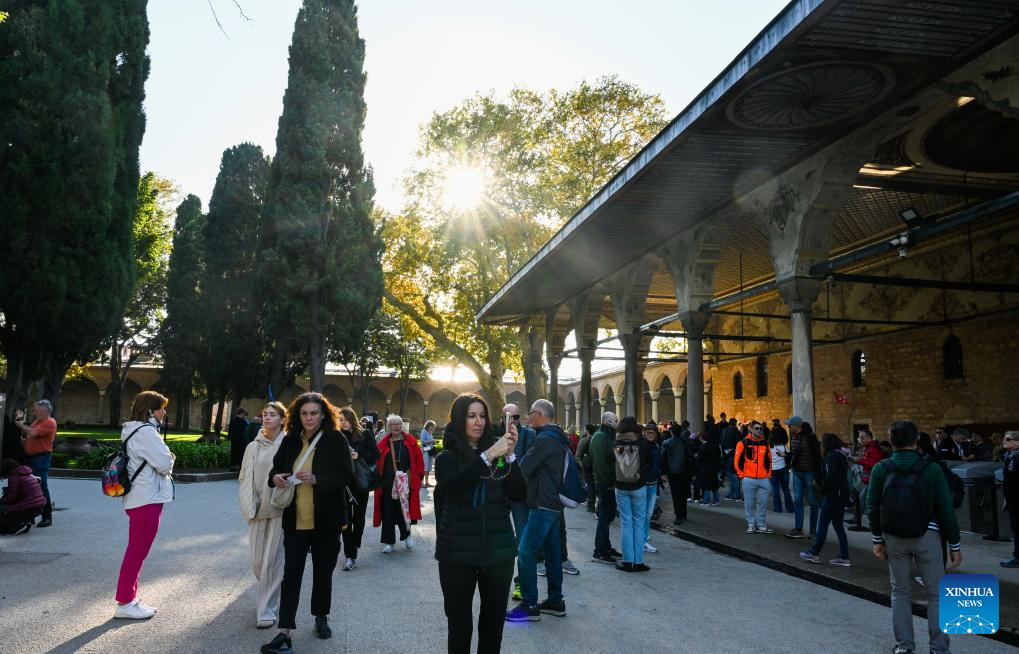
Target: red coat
x=872 y=455
x=417 y=473
x=23 y=491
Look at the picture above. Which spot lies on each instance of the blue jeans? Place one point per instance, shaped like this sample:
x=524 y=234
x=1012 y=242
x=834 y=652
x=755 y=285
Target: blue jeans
x=755 y=500
x=780 y=487
x=650 y=495
x=40 y=465
x=710 y=497
x=832 y=513
x=735 y=492
x=606 y=514
x=541 y=533
x=631 y=524
x=803 y=484
x=519 y=511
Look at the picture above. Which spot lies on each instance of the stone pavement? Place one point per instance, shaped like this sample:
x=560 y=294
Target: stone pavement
x=56 y=594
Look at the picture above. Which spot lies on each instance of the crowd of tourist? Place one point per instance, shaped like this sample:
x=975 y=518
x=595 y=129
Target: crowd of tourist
x=501 y=489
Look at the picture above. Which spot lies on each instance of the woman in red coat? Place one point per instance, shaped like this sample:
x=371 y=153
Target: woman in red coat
x=398 y=501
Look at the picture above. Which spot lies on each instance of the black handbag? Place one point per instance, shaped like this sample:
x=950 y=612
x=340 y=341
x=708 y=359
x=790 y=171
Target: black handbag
x=364 y=476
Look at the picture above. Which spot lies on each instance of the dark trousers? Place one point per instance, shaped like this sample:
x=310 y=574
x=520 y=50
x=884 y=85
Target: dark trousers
x=12 y=521
x=40 y=465
x=1013 y=519
x=679 y=486
x=325 y=547
x=392 y=517
x=591 y=494
x=458 y=583
x=355 y=528
x=606 y=514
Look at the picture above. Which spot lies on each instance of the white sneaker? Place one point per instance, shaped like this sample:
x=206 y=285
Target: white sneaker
x=146 y=606
x=388 y=549
x=349 y=565
x=410 y=542
x=648 y=547
x=131 y=611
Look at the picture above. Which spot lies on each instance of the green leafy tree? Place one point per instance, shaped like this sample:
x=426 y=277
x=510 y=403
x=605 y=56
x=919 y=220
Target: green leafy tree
x=538 y=158
x=145 y=310
x=322 y=255
x=365 y=357
x=233 y=349
x=179 y=336
x=71 y=92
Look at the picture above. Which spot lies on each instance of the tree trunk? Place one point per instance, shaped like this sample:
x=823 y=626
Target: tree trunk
x=53 y=378
x=317 y=364
x=532 y=351
x=220 y=405
x=207 y=419
x=18 y=382
x=115 y=388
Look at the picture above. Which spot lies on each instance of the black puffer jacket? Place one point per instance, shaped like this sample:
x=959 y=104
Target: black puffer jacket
x=472 y=514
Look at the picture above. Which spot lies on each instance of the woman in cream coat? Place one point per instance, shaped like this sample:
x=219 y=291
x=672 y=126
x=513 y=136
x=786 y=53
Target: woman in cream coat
x=265 y=523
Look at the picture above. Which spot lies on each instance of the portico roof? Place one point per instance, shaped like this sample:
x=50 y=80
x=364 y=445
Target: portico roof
x=820 y=70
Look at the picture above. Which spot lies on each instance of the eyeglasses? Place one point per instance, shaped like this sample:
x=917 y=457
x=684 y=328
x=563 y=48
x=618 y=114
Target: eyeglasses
x=515 y=416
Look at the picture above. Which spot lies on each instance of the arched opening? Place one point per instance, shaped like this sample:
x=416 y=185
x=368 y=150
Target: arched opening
x=737 y=386
x=762 y=376
x=952 y=352
x=610 y=403
x=859 y=369
x=376 y=402
x=336 y=395
x=666 y=401
x=439 y=404
x=79 y=403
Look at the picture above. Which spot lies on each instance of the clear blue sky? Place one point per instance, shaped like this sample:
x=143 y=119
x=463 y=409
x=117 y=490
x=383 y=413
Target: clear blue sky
x=207 y=92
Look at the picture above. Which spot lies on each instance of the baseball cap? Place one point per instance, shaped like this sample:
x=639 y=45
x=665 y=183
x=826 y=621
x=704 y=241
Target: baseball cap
x=794 y=420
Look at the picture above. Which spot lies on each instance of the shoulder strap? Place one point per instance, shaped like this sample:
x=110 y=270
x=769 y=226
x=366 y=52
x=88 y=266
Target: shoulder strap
x=920 y=464
x=307 y=452
x=123 y=446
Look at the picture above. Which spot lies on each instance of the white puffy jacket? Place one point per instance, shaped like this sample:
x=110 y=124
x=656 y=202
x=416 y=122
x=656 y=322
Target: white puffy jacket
x=154 y=484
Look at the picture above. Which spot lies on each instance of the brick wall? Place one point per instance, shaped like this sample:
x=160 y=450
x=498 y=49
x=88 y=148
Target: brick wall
x=904 y=380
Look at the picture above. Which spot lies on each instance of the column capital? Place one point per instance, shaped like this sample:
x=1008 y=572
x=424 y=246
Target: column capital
x=425 y=402
x=695 y=322
x=799 y=293
x=586 y=354
x=655 y=395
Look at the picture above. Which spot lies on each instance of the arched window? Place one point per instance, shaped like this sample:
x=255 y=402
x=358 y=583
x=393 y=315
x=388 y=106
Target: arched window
x=953 y=357
x=859 y=369
x=789 y=379
x=762 y=376
x=737 y=386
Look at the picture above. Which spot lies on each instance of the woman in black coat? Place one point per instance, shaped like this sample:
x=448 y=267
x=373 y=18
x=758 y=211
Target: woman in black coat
x=474 y=543
x=316 y=516
x=709 y=463
x=363 y=448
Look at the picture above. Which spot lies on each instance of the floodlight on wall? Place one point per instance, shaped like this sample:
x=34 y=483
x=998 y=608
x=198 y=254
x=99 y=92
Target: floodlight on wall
x=910 y=216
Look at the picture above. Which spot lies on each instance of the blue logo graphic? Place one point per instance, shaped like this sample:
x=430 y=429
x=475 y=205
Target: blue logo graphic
x=968 y=604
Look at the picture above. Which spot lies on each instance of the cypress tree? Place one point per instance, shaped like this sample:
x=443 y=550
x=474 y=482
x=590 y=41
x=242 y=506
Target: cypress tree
x=322 y=254
x=234 y=351
x=179 y=338
x=71 y=91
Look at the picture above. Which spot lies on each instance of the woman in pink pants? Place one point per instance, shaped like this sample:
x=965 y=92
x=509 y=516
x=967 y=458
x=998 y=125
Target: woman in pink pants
x=150 y=464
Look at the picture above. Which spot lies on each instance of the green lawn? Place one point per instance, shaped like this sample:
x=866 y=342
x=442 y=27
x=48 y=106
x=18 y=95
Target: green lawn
x=111 y=434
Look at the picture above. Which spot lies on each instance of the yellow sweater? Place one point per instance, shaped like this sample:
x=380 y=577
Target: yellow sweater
x=305 y=499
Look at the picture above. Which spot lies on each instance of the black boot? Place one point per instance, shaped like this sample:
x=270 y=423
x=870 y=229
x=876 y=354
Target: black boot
x=322 y=629
x=47 y=516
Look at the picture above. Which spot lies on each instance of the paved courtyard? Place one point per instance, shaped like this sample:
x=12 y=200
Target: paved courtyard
x=56 y=594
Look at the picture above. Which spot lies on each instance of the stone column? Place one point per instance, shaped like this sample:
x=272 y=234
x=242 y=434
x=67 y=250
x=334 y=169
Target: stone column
x=654 y=404
x=425 y=418
x=694 y=322
x=554 y=360
x=799 y=293
x=586 y=357
x=631 y=373
x=678 y=411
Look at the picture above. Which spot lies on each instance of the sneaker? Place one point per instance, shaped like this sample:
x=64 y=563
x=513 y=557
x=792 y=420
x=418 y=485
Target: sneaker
x=603 y=558
x=322 y=629
x=616 y=553
x=45 y=522
x=557 y=609
x=569 y=568
x=899 y=649
x=523 y=613
x=648 y=547
x=409 y=543
x=24 y=528
x=640 y=567
x=349 y=565
x=794 y=533
x=388 y=549
x=625 y=566
x=264 y=624
x=1009 y=563
x=131 y=611
x=146 y=606
x=810 y=557
x=541 y=570
x=678 y=521
x=838 y=560
x=751 y=530
x=517 y=595
x=765 y=529
x=281 y=644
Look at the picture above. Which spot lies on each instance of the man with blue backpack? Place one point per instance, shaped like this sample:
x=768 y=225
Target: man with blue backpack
x=543 y=467
x=908 y=504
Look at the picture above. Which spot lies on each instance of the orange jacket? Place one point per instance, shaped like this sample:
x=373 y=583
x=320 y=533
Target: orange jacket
x=753 y=459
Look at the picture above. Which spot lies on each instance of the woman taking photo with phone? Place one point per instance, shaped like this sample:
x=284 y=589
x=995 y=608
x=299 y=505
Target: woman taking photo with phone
x=476 y=475
x=364 y=448
x=265 y=522
x=315 y=459
x=149 y=466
